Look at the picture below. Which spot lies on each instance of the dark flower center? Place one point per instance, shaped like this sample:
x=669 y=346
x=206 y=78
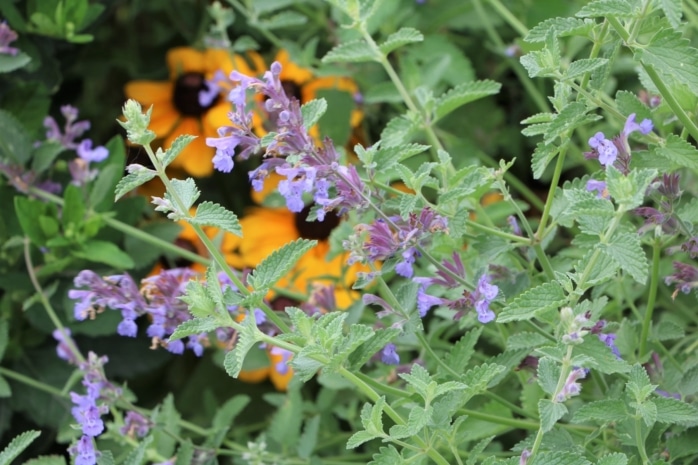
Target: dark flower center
x=186 y=95
x=279 y=303
x=292 y=89
x=316 y=229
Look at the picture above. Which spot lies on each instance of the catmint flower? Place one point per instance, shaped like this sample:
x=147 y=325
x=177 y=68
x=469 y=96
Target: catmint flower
x=389 y=356
x=371 y=299
x=575 y=326
x=63 y=349
x=525 y=454
x=571 y=387
x=7 y=36
x=606 y=149
x=135 y=425
x=84 y=451
x=599 y=187
x=685 y=277
x=281 y=366
x=514 y=225
x=89 y=154
x=610 y=341
x=71 y=130
x=483 y=295
x=404 y=267
x=645 y=127
x=424 y=300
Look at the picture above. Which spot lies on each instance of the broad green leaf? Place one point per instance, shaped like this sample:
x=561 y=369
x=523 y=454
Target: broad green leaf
x=671 y=56
x=30 y=214
x=418 y=419
x=526 y=340
x=17 y=445
x=279 y=263
x=604 y=411
x=571 y=117
x=386 y=158
x=185 y=453
x=382 y=92
x=550 y=412
x=672 y=10
x=598 y=356
x=687 y=386
x=175 y=149
x=614 y=459
x=639 y=383
x=542 y=156
x=561 y=27
x=459 y=356
x=398 y=131
x=199 y=300
x=137 y=176
x=104 y=252
x=418 y=380
x=47 y=460
x=679 y=152
x=15 y=143
x=195 y=326
x=533 y=302
x=73 y=209
x=481 y=377
x=648 y=412
x=282 y=19
x=285 y=425
x=247 y=338
x=212 y=214
x=628 y=191
x=621 y=8
x=463 y=94
x=539 y=118
x=312 y=111
x=137 y=456
x=666 y=330
x=351 y=52
x=593 y=215
x=548 y=374
x=404 y=36
x=626 y=250
x=359 y=438
x=5 y=389
x=368 y=349
x=267 y=6
x=226 y=413
x=683 y=445
x=387 y=456
x=308 y=440
x=560 y=457
x=44 y=155
x=580 y=67
x=186 y=191
x=675 y=411
x=627 y=103
x=10 y=63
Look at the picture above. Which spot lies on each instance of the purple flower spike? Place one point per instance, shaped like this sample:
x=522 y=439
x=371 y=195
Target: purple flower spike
x=607 y=150
x=389 y=356
x=84 y=451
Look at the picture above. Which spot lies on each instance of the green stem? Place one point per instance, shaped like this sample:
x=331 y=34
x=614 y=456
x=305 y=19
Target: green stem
x=498 y=232
x=31 y=382
x=595 y=49
x=509 y=17
x=551 y=193
x=651 y=299
x=639 y=443
x=271 y=37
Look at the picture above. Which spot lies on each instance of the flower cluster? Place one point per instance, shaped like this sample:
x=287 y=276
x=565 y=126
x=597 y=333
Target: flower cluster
x=450 y=277
x=571 y=387
x=7 y=36
x=158 y=297
x=290 y=151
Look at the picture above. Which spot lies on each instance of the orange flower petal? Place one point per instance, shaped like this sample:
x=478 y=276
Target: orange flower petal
x=195 y=159
x=291 y=71
x=280 y=381
x=254 y=376
x=216 y=117
x=185 y=60
x=149 y=92
x=258 y=65
x=217 y=59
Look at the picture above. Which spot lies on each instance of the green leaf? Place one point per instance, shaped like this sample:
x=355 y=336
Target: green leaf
x=308 y=439
x=599 y=356
x=179 y=144
x=571 y=117
x=4 y=337
x=398 y=131
x=195 y=326
x=44 y=155
x=5 y=389
x=387 y=456
x=533 y=302
x=382 y=92
x=368 y=349
x=621 y=8
x=525 y=340
x=604 y=411
x=285 y=425
x=418 y=419
x=560 y=458
x=46 y=460
x=593 y=215
x=629 y=191
x=247 y=338
x=464 y=93
x=672 y=10
x=626 y=250
x=73 y=208
x=627 y=103
x=351 y=52
x=226 y=413
x=542 y=156
x=614 y=459
x=10 y=63
x=675 y=411
x=30 y=214
x=671 y=56
x=282 y=19
x=481 y=377
x=185 y=453
x=359 y=438
x=199 y=299
x=548 y=374
x=462 y=351
x=186 y=191
x=312 y=111
x=105 y=252
x=639 y=383
x=404 y=36
x=679 y=152
x=561 y=27
x=17 y=445
x=212 y=214
x=137 y=176
x=280 y=262
x=683 y=445
x=580 y=67
x=137 y=455
x=372 y=421
x=15 y=143
x=550 y=412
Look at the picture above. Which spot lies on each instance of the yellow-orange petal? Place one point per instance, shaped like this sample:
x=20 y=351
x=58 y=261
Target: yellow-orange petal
x=271 y=183
x=149 y=92
x=216 y=117
x=291 y=71
x=217 y=59
x=258 y=65
x=254 y=376
x=492 y=197
x=185 y=60
x=196 y=157
x=279 y=380
x=264 y=231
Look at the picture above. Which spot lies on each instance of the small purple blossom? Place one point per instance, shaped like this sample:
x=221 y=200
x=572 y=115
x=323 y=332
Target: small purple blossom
x=281 y=366
x=571 y=387
x=645 y=127
x=64 y=349
x=71 y=130
x=426 y=301
x=599 y=187
x=483 y=295
x=610 y=341
x=92 y=155
x=135 y=425
x=84 y=451
x=7 y=36
x=389 y=356
x=404 y=268
x=605 y=148
x=685 y=277
x=514 y=225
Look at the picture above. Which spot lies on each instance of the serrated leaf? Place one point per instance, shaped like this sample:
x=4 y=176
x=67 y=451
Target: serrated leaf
x=600 y=357
x=186 y=191
x=571 y=117
x=548 y=373
x=679 y=152
x=195 y=326
x=179 y=144
x=398 y=131
x=368 y=349
x=627 y=103
x=561 y=27
x=526 y=340
x=137 y=455
x=351 y=52
x=462 y=351
x=464 y=93
x=404 y=36
x=185 y=453
x=550 y=412
x=479 y=378
x=198 y=299
x=15 y=143
x=671 y=56
x=560 y=458
x=212 y=214
x=312 y=111
x=626 y=250
x=17 y=445
x=542 y=156
x=133 y=180
x=47 y=460
x=675 y=411
x=308 y=439
x=387 y=456
x=533 y=302
x=580 y=67
x=279 y=263
x=604 y=411
x=613 y=459
x=648 y=412
x=672 y=10
x=418 y=419
x=359 y=438
x=628 y=191
x=247 y=338
x=539 y=118
x=620 y=8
